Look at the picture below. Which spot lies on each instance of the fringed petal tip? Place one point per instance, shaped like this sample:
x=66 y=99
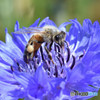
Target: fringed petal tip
x=16 y=28
x=6 y=30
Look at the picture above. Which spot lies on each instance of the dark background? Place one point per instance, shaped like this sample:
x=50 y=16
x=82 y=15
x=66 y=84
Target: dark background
x=27 y=11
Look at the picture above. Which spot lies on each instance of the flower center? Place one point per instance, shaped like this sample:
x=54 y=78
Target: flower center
x=55 y=59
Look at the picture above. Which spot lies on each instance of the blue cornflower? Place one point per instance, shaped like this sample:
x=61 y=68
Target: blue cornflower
x=75 y=69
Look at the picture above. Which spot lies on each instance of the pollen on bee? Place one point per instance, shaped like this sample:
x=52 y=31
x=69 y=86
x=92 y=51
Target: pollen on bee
x=30 y=49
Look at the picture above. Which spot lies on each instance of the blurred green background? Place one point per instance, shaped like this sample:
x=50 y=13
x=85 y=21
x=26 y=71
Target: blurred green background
x=27 y=11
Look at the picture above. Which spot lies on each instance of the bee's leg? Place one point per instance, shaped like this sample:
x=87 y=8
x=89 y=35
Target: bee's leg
x=46 y=44
x=62 y=45
x=49 y=45
x=49 y=55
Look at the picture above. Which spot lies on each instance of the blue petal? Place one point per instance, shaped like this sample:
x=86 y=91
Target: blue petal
x=35 y=24
x=4 y=66
x=22 y=78
x=7 y=77
x=16 y=28
x=7 y=97
x=5 y=58
x=20 y=40
x=83 y=45
x=77 y=74
x=96 y=24
x=87 y=25
x=95 y=41
x=77 y=24
x=63 y=26
x=4 y=49
x=73 y=33
x=6 y=87
x=47 y=21
x=8 y=37
x=41 y=76
x=13 y=47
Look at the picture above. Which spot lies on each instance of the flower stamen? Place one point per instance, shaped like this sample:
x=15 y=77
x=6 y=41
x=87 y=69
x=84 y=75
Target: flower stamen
x=59 y=60
x=82 y=55
x=73 y=63
x=68 y=56
x=57 y=48
x=12 y=68
x=42 y=53
x=56 y=71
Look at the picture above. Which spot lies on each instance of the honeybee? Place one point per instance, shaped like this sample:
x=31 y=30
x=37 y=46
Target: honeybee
x=48 y=34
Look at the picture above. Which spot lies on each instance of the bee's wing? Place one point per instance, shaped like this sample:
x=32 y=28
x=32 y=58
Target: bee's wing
x=30 y=30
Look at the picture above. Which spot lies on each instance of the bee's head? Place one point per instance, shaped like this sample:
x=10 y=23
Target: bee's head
x=59 y=38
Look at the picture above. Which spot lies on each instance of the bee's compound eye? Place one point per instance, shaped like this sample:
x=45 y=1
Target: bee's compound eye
x=57 y=37
x=30 y=48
